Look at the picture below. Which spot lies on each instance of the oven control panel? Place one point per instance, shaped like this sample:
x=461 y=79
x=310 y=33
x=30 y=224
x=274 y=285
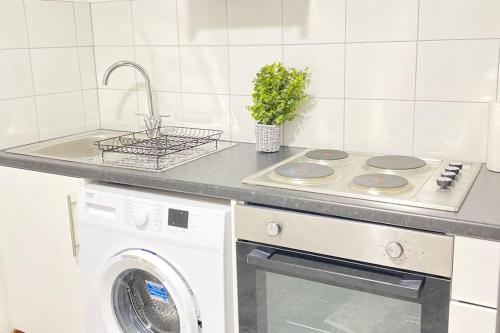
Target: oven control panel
x=418 y=251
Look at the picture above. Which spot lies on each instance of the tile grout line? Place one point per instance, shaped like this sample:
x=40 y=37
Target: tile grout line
x=229 y=75
x=345 y=76
x=315 y=97
x=95 y=67
x=280 y=44
x=415 y=82
x=179 y=61
x=31 y=71
x=79 y=69
x=135 y=71
x=251 y=45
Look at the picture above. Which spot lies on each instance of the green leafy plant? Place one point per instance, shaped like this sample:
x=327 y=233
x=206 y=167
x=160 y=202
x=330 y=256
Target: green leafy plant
x=278 y=92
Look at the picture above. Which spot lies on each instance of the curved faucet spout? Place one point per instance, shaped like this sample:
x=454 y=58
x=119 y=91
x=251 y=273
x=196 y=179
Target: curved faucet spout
x=152 y=119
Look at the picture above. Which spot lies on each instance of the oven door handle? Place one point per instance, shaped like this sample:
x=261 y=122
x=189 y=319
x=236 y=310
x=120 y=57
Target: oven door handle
x=395 y=284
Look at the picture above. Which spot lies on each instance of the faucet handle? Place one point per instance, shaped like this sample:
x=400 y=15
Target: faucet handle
x=152 y=124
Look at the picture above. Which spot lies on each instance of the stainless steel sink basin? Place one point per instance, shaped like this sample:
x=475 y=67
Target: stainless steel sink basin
x=82 y=148
x=78 y=148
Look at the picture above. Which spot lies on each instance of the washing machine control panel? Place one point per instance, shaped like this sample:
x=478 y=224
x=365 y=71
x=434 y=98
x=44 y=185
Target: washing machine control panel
x=168 y=218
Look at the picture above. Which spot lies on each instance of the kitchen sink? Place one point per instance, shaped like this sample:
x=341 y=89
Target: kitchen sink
x=131 y=151
x=77 y=148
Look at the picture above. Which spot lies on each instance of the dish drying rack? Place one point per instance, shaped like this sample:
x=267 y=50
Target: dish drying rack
x=146 y=151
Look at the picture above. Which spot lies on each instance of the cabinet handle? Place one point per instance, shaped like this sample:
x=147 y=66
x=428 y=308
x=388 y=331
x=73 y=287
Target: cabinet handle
x=74 y=245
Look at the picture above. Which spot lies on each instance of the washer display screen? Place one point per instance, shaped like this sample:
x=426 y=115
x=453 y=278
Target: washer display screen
x=178 y=218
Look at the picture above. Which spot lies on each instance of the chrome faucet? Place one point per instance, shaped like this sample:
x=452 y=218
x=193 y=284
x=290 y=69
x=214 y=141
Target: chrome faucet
x=152 y=121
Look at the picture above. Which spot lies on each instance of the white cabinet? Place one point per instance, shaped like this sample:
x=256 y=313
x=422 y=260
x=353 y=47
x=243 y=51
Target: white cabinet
x=467 y=318
x=42 y=277
x=476 y=271
x=4 y=314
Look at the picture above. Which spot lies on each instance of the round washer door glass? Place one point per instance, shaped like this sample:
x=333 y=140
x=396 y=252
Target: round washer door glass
x=143 y=304
x=143 y=293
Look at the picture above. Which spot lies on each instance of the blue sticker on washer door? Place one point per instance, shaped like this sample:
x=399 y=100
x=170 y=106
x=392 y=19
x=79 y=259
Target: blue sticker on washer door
x=157 y=291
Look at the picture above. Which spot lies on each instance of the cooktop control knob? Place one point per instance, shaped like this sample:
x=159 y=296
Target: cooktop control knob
x=458 y=165
x=453 y=169
x=394 y=250
x=448 y=174
x=444 y=182
x=273 y=229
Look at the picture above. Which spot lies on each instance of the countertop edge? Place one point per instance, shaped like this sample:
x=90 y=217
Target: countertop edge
x=279 y=199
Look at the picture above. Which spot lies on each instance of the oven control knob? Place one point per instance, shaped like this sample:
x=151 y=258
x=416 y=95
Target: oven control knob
x=453 y=169
x=273 y=229
x=459 y=165
x=394 y=250
x=444 y=182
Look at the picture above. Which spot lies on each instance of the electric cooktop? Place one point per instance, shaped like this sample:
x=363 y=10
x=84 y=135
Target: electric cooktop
x=398 y=179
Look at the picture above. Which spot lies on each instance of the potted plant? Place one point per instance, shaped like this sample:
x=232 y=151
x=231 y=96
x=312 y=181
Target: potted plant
x=278 y=92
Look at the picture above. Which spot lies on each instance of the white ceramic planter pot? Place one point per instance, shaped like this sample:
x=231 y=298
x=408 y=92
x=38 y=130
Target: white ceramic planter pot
x=267 y=138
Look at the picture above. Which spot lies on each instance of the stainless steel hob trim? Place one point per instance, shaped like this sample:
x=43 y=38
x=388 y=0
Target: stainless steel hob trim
x=424 y=193
x=418 y=251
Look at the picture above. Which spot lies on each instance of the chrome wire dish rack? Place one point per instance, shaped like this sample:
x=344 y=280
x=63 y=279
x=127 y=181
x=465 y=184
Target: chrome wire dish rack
x=171 y=144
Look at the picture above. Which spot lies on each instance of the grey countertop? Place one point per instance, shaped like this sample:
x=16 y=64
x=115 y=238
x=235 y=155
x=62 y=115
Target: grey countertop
x=220 y=175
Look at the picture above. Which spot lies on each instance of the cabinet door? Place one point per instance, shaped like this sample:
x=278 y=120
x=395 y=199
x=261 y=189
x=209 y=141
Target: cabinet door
x=42 y=277
x=476 y=267
x=467 y=318
x=4 y=314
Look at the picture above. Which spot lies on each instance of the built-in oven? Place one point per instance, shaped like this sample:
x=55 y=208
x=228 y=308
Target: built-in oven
x=312 y=274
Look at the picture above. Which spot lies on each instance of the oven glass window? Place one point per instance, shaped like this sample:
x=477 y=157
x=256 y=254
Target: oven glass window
x=292 y=305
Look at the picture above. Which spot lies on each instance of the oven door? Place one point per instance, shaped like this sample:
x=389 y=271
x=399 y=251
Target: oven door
x=284 y=291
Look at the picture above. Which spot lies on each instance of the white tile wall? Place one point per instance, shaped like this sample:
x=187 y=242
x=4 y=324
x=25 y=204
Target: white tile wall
x=112 y=23
x=379 y=69
x=325 y=63
x=155 y=22
x=15 y=79
x=55 y=69
x=121 y=78
x=377 y=126
x=458 y=70
x=207 y=111
x=204 y=69
x=50 y=24
x=118 y=109
x=313 y=21
x=459 y=19
x=45 y=78
x=382 y=20
x=242 y=68
x=320 y=123
x=20 y=126
x=255 y=22
x=162 y=64
x=202 y=22
x=60 y=114
x=12 y=25
x=463 y=137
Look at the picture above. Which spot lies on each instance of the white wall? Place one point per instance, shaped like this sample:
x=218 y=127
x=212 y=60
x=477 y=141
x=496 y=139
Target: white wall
x=388 y=76
x=47 y=72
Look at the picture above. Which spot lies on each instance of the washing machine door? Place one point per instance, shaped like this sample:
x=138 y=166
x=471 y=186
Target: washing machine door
x=142 y=293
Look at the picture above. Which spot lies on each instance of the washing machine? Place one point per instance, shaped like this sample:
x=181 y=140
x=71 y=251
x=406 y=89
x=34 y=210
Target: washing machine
x=154 y=262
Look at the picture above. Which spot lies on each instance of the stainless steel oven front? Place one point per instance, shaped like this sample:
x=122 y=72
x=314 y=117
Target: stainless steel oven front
x=312 y=274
